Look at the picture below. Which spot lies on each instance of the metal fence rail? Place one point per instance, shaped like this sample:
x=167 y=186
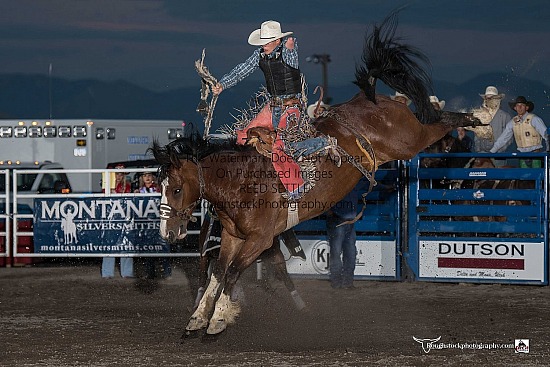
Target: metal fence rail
x=417 y=219
x=478 y=224
x=19 y=206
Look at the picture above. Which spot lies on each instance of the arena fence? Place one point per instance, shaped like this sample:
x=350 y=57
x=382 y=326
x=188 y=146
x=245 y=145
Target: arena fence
x=378 y=234
x=436 y=224
x=478 y=224
x=83 y=224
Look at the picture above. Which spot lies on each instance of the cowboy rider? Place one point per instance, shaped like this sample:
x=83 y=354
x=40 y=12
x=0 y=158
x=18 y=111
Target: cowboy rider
x=277 y=57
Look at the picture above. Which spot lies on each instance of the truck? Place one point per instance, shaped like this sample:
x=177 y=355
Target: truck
x=39 y=179
x=83 y=144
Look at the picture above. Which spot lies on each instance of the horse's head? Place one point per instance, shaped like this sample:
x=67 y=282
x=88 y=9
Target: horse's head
x=181 y=183
x=181 y=191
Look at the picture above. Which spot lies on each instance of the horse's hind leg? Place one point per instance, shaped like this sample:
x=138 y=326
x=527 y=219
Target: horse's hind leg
x=277 y=259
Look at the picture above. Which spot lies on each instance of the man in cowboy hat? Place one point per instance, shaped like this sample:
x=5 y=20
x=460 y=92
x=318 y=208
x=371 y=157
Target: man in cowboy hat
x=277 y=57
x=495 y=117
x=527 y=128
x=438 y=105
x=401 y=98
x=316 y=109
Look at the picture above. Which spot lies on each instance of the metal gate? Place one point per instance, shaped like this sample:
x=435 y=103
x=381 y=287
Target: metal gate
x=478 y=225
x=378 y=235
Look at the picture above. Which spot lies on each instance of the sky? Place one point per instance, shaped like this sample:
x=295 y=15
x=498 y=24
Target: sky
x=154 y=43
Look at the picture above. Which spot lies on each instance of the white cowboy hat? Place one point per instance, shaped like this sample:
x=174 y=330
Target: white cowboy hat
x=491 y=91
x=397 y=94
x=311 y=108
x=434 y=99
x=269 y=31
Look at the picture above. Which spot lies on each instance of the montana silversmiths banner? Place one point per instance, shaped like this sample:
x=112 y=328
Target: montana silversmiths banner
x=98 y=225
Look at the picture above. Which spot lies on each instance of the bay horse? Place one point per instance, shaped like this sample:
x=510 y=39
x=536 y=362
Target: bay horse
x=245 y=190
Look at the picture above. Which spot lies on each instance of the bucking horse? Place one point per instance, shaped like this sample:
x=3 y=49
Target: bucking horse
x=245 y=190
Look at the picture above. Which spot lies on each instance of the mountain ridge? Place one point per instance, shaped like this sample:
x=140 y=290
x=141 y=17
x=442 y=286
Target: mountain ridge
x=25 y=96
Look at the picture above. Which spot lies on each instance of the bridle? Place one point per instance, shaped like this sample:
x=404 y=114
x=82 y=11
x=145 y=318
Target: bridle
x=168 y=212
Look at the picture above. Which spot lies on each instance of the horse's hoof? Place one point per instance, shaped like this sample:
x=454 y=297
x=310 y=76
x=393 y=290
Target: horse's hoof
x=191 y=334
x=196 y=323
x=216 y=327
x=298 y=301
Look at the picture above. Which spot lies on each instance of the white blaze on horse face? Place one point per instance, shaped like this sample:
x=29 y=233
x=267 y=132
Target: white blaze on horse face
x=164 y=184
x=163 y=200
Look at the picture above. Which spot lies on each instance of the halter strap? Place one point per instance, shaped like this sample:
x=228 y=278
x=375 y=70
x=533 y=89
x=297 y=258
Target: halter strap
x=167 y=212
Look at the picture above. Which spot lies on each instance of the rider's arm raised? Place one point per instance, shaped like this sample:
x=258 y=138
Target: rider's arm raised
x=290 y=52
x=240 y=71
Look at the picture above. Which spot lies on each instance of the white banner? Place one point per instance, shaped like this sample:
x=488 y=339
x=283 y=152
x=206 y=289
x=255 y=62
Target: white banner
x=482 y=260
x=374 y=258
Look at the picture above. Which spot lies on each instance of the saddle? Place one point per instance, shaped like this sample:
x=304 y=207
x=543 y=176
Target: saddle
x=262 y=139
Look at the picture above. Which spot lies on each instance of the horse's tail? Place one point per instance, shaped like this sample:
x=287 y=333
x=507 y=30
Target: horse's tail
x=400 y=66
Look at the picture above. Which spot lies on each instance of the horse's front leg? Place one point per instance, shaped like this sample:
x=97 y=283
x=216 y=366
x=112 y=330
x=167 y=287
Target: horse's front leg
x=199 y=319
x=226 y=310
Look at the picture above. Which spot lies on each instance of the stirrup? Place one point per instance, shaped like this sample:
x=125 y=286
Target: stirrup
x=332 y=151
x=335 y=156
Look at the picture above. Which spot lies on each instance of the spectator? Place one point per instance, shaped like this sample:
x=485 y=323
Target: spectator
x=463 y=137
x=122 y=185
x=402 y=98
x=528 y=130
x=438 y=105
x=148 y=185
x=342 y=237
x=314 y=112
x=490 y=113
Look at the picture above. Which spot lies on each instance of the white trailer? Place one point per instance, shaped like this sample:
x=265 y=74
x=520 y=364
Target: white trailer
x=83 y=144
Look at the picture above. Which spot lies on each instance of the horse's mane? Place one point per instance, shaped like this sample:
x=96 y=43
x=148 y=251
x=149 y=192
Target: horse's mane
x=191 y=147
x=400 y=66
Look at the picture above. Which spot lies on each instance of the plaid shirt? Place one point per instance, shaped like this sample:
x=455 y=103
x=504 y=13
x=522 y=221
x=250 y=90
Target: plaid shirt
x=243 y=70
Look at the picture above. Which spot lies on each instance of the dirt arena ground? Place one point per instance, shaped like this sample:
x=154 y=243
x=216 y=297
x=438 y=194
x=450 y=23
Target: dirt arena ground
x=69 y=316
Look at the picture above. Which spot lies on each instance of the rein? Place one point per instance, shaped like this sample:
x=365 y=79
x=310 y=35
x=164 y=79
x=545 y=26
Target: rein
x=207 y=82
x=168 y=212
